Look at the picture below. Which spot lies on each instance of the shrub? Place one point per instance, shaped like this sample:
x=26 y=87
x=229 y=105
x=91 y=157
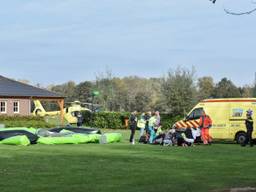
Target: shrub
x=110 y=120
x=24 y=121
x=167 y=120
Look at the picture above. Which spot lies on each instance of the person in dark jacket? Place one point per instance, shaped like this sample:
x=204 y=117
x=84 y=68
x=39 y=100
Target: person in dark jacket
x=147 y=117
x=249 y=127
x=80 y=119
x=133 y=126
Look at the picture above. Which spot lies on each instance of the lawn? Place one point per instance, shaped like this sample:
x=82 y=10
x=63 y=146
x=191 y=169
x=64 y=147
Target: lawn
x=123 y=167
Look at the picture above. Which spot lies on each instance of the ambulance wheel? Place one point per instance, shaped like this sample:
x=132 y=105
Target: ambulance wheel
x=241 y=137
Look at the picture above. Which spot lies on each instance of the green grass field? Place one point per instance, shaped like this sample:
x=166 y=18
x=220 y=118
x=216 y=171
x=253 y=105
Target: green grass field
x=122 y=167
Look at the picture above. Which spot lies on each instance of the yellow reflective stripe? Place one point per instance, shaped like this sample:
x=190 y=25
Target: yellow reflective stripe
x=190 y=124
x=183 y=124
x=178 y=125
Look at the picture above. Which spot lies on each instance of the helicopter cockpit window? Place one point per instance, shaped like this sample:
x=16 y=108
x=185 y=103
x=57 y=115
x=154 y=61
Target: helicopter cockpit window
x=75 y=113
x=195 y=114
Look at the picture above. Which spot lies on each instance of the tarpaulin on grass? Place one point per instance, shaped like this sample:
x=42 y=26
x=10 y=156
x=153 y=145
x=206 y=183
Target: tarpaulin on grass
x=76 y=130
x=31 y=130
x=5 y=134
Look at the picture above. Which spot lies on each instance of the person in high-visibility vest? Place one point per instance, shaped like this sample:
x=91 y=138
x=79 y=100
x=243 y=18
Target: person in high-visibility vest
x=205 y=124
x=142 y=124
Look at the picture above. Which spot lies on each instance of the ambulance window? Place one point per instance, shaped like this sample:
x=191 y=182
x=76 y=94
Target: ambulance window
x=198 y=113
x=195 y=114
x=237 y=112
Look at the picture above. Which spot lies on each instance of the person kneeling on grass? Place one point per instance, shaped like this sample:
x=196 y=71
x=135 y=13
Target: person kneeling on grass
x=185 y=138
x=159 y=135
x=196 y=132
x=170 y=138
x=166 y=139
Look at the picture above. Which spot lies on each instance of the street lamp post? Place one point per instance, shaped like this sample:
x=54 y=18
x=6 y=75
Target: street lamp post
x=94 y=94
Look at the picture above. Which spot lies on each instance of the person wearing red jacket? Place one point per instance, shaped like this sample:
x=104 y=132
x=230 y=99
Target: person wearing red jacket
x=205 y=124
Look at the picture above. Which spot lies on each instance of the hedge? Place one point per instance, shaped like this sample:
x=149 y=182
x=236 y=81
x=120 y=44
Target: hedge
x=102 y=120
x=168 y=120
x=24 y=121
x=116 y=120
x=106 y=120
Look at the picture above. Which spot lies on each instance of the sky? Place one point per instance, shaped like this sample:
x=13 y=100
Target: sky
x=54 y=41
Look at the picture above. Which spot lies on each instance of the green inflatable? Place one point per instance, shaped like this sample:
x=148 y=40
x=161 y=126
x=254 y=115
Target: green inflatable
x=16 y=140
x=80 y=138
x=57 y=140
x=48 y=138
x=110 y=138
x=95 y=138
x=84 y=138
x=71 y=139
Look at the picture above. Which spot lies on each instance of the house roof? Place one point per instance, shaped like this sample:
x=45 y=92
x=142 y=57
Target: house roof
x=11 y=88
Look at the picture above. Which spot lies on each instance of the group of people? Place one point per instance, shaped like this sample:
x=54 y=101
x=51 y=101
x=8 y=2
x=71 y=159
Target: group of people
x=151 y=131
x=149 y=123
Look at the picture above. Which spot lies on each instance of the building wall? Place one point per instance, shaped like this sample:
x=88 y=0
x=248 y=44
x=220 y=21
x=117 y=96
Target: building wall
x=24 y=106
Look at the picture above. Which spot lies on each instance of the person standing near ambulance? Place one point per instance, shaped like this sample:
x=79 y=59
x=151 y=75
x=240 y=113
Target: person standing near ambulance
x=249 y=127
x=205 y=124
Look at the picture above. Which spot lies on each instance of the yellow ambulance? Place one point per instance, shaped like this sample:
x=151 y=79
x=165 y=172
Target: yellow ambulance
x=228 y=116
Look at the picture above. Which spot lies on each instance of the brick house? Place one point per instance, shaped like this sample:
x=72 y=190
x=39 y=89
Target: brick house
x=16 y=97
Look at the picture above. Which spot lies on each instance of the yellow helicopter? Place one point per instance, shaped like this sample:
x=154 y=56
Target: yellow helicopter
x=70 y=112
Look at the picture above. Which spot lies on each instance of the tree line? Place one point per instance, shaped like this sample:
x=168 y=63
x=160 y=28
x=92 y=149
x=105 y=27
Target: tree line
x=176 y=93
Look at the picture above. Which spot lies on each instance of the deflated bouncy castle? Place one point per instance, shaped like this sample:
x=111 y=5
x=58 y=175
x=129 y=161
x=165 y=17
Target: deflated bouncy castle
x=66 y=135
